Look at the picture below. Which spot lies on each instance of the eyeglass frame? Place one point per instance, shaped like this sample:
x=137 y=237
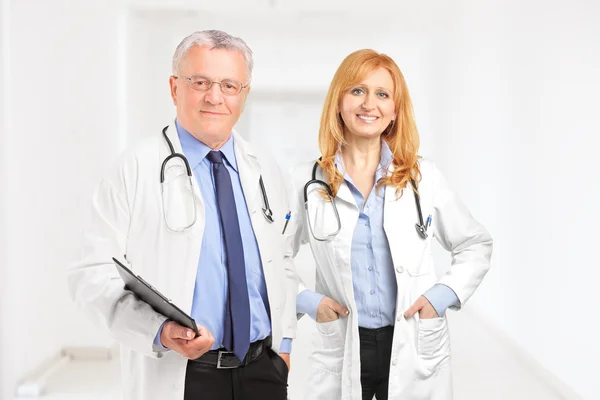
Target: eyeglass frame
x=189 y=79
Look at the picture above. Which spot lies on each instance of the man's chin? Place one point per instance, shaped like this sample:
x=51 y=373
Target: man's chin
x=216 y=133
x=210 y=134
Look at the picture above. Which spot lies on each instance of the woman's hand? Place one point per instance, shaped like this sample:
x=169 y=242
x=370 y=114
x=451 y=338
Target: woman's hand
x=330 y=310
x=424 y=307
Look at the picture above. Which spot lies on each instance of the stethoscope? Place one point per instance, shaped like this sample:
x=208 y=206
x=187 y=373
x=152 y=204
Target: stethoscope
x=421 y=226
x=267 y=212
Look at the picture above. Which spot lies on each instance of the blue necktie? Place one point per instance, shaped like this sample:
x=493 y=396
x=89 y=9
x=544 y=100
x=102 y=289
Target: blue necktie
x=236 y=336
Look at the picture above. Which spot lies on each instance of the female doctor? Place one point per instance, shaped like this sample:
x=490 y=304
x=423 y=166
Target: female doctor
x=369 y=210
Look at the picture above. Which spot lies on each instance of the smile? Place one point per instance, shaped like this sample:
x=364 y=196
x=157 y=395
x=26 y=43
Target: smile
x=367 y=118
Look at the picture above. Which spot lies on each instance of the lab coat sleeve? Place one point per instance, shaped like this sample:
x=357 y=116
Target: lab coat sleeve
x=441 y=297
x=94 y=282
x=296 y=232
x=307 y=302
x=458 y=232
x=289 y=326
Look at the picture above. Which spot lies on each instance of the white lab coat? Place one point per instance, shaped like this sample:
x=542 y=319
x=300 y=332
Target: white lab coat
x=420 y=363
x=127 y=219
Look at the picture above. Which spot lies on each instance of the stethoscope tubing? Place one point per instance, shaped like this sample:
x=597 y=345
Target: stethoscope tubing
x=267 y=212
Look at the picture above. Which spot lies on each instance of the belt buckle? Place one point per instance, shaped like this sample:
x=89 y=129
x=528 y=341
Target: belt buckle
x=219 y=358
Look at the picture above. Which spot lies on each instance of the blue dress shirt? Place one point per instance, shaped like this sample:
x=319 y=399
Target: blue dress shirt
x=373 y=273
x=210 y=292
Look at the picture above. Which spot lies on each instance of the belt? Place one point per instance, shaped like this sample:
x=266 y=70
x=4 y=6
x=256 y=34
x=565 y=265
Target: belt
x=223 y=359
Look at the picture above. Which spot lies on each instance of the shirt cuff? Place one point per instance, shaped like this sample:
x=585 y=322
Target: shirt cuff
x=441 y=297
x=307 y=302
x=158 y=346
x=286 y=346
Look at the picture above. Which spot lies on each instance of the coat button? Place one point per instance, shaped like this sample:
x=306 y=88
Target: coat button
x=400 y=269
x=394 y=362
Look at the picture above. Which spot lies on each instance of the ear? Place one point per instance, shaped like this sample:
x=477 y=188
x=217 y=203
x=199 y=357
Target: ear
x=245 y=92
x=173 y=85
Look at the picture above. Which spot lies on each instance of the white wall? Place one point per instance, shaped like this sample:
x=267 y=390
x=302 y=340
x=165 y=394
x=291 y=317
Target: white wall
x=517 y=135
x=4 y=32
x=60 y=135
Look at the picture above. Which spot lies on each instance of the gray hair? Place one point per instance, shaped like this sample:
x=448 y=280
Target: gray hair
x=215 y=40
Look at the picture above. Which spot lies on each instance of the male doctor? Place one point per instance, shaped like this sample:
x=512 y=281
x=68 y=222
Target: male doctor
x=213 y=244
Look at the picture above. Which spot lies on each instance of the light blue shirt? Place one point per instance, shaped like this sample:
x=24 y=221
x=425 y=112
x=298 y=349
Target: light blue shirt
x=210 y=292
x=373 y=273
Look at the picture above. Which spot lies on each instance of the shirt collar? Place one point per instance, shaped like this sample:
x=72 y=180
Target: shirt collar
x=386 y=157
x=196 y=151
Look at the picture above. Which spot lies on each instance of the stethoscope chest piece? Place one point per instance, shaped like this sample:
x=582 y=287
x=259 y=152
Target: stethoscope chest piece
x=268 y=214
x=421 y=230
x=267 y=208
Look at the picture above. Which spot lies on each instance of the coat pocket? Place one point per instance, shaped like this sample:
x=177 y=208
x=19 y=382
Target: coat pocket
x=329 y=345
x=330 y=328
x=433 y=342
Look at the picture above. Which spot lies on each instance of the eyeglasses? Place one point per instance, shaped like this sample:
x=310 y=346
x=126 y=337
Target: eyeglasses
x=202 y=84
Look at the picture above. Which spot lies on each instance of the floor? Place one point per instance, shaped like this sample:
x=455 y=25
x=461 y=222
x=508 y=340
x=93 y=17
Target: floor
x=484 y=368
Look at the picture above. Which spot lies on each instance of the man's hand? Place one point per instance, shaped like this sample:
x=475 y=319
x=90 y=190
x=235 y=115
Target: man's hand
x=424 y=307
x=183 y=340
x=286 y=358
x=330 y=310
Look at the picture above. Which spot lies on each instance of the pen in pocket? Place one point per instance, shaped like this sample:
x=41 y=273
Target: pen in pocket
x=287 y=219
x=428 y=222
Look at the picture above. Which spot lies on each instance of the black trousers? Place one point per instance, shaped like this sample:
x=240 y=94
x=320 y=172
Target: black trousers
x=375 y=356
x=264 y=378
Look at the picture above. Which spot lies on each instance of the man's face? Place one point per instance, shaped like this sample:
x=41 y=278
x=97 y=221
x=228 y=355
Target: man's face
x=209 y=115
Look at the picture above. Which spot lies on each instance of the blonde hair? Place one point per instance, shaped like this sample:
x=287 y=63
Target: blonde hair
x=401 y=135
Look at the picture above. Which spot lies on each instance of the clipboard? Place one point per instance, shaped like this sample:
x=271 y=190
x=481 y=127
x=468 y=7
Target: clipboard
x=148 y=294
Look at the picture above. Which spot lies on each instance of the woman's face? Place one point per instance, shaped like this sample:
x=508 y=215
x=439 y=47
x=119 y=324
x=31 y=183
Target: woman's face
x=367 y=108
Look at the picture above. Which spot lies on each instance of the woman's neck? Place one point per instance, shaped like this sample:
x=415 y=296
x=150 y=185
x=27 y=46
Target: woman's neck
x=362 y=153
x=361 y=160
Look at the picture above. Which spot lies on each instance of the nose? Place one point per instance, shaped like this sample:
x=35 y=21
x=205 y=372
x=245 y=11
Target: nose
x=369 y=103
x=214 y=95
